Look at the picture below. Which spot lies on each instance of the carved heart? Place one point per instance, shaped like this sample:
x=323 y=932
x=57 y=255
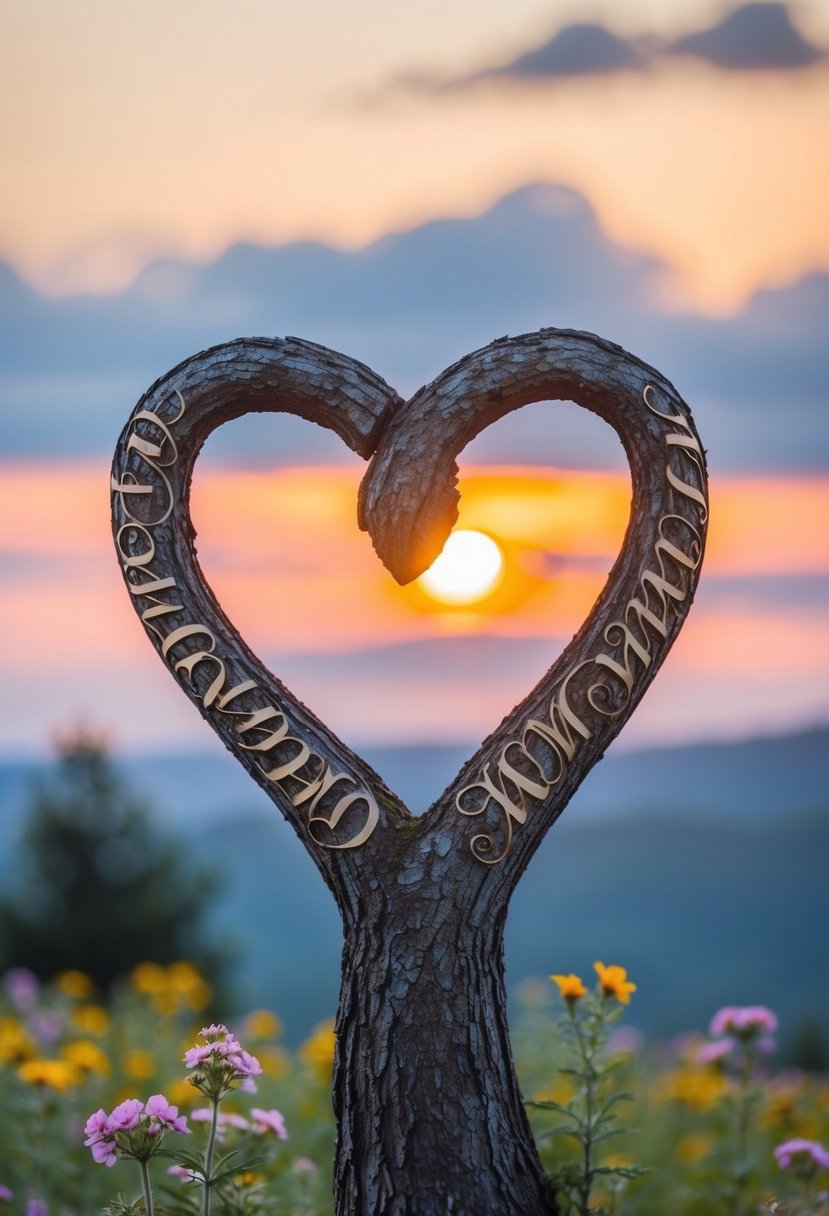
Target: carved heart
x=524 y=774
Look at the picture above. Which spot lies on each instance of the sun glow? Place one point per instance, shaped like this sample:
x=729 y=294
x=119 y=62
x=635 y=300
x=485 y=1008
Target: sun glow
x=469 y=568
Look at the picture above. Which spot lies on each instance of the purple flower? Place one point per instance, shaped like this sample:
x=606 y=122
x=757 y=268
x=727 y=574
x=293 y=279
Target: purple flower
x=224 y=1120
x=47 y=1024
x=245 y=1064
x=163 y=1116
x=22 y=986
x=712 y=1053
x=805 y=1157
x=5 y=1193
x=126 y=1115
x=625 y=1041
x=269 y=1121
x=133 y=1129
x=198 y=1054
x=745 y=1022
x=180 y=1171
x=36 y=1207
x=220 y=1063
x=100 y=1138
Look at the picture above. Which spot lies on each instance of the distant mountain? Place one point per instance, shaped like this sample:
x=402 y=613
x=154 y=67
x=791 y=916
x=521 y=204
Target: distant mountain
x=700 y=868
x=701 y=914
x=766 y=777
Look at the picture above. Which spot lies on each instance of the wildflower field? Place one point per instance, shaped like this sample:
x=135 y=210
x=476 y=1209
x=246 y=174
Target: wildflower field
x=137 y=1107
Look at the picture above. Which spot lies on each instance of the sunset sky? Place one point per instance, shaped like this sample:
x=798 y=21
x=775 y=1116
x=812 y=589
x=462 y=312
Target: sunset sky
x=405 y=183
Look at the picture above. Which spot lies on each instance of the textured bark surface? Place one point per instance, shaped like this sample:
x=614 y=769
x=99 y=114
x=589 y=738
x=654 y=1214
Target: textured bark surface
x=429 y=1112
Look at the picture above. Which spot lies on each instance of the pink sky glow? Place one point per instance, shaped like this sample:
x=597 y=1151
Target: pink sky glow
x=283 y=552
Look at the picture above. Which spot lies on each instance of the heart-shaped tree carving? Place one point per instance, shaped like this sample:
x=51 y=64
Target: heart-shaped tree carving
x=430 y=1118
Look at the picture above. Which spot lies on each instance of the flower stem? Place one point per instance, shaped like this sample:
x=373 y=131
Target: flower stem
x=586 y=1051
x=208 y=1159
x=148 y=1194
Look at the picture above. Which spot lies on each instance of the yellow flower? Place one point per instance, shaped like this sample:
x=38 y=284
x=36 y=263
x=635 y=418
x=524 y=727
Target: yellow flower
x=182 y=1092
x=618 y=1161
x=75 y=984
x=570 y=987
x=693 y=1148
x=139 y=1064
x=261 y=1024
x=275 y=1060
x=189 y=984
x=16 y=1043
x=86 y=1057
x=699 y=1088
x=148 y=978
x=614 y=982
x=318 y=1050
x=90 y=1019
x=560 y=1091
x=179 y=986
x=57 y=1074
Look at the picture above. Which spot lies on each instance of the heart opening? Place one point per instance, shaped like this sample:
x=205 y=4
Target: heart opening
x=389 y=668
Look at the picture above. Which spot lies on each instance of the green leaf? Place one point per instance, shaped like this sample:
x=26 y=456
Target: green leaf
x=615 y=1099
x=549 y=1104
x=561 y=1130
x=613 y=1131
x=238 y=1167
x=190 y=1161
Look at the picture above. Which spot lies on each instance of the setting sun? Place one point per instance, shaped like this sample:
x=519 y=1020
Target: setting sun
x=469 y=567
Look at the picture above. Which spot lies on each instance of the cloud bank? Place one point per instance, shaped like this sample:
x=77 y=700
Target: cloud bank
x=409 y=305
x=758 y=36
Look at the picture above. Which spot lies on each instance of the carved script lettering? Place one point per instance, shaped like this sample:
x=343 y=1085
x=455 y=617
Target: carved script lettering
x=144 y=500
x=528 y=768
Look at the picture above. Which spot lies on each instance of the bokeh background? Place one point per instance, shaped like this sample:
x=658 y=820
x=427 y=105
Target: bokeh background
x=406 y=183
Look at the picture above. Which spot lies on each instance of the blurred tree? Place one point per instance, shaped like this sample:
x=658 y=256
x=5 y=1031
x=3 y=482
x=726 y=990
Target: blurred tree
x=100 y=888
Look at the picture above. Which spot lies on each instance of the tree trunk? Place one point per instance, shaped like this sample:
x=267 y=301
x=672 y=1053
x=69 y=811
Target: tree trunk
x=428 y=1108
x=429 y=1113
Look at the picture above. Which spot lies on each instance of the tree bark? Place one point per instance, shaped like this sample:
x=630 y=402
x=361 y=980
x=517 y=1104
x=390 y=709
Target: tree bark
x=430 y=1117
x=428 y=1107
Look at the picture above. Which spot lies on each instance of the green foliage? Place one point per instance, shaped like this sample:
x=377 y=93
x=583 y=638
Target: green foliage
x=704 y=1121
x=590 y=1113
x=100 y=888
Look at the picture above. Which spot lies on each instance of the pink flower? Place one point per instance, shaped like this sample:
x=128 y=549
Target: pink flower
x=125 y=1116
x=22 y=986
x=180 y=1171
x=101 y=1139
x=164 y=1116
x=198 y=1054
x=221 y=1063
x=133 y=1129
x=269 y=1121
x=244 y=1063
x=224 y=1120
x=746 y=1022
x=712 y=1053
x=805 y=1157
